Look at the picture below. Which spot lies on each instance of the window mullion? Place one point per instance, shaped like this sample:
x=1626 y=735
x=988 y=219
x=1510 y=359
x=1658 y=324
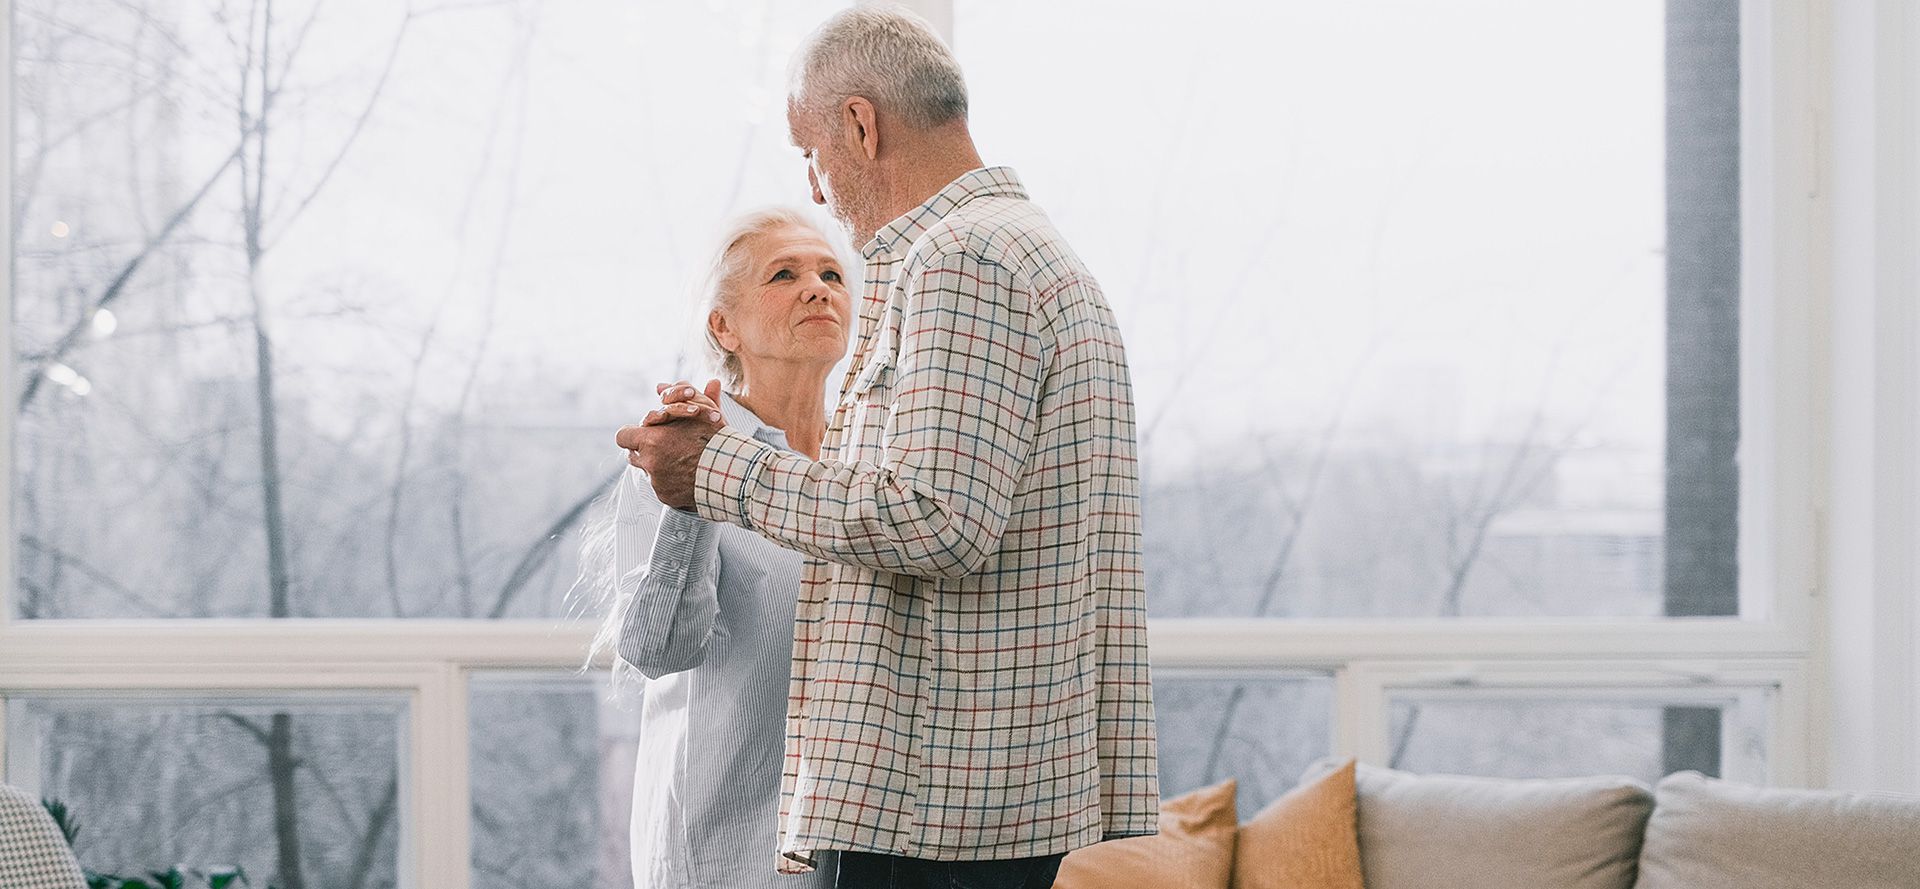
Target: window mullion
x=435 y=838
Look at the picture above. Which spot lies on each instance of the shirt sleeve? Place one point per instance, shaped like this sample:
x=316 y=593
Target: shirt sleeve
x=667 y=562
x=956 y=439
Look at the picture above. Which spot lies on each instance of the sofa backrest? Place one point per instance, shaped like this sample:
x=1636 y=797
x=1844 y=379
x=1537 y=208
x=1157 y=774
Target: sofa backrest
x=1708 y=834
x=1445 y=832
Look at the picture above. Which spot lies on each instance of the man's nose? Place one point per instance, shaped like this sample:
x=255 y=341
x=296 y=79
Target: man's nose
x=814 y=182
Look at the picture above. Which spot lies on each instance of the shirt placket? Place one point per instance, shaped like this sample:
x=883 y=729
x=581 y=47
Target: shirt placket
x=873 y=305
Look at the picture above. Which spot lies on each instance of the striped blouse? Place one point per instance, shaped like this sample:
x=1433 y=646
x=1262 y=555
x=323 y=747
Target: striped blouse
x=710 y=622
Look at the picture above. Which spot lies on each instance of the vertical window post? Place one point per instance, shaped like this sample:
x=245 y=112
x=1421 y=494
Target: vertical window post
x=1703 y=339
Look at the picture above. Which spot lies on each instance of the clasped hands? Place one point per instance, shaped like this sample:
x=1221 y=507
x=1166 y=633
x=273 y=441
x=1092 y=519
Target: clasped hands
x=668 y=442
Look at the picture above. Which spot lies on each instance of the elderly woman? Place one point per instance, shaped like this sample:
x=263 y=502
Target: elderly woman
x=707 y=611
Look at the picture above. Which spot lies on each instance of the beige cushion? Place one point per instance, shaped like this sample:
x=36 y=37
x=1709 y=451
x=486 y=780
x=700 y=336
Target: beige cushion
x=1443 y=832
x=1307 y=839
x=1707 y=834
x=1194 y=849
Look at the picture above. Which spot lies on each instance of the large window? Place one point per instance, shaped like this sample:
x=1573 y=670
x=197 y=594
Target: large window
x=1434 y=313
x=355 y=288
x=1396 y=283
x=1466 y=385
x=328 y=309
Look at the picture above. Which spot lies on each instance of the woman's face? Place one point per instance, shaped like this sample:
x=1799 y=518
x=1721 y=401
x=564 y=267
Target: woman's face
x=793 y=306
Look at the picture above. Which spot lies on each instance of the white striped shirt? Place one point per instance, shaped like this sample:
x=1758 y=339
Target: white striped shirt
x=710 y=622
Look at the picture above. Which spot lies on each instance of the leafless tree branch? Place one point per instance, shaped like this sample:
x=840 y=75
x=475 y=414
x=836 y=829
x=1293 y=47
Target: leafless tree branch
x=537 y=555
x=117 y=287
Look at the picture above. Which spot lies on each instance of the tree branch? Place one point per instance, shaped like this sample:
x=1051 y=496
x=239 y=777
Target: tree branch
x=542 y=549
x=97 y=575
x=118 y=286
x=353 y=135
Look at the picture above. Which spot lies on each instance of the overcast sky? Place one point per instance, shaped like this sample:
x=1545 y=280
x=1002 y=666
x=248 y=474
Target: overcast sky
x=1432 y=222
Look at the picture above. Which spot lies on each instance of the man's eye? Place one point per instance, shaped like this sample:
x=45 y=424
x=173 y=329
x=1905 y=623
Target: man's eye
x=783 y=275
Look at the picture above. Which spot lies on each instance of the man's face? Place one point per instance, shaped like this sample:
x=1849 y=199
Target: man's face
x=837 y=171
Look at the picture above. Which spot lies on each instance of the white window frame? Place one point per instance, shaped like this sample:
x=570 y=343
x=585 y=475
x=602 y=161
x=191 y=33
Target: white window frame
x=1780 y=683
x=1870 y=712
x=1792 y=435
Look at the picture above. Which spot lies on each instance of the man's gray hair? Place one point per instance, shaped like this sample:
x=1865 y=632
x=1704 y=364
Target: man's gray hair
x=888 y=56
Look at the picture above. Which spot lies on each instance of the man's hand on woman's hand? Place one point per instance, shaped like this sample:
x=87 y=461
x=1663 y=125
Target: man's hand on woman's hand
x=681 y=401
x=668 y=442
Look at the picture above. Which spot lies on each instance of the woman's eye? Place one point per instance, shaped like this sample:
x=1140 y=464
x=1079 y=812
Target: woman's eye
x=830 y=275
x=783 y=275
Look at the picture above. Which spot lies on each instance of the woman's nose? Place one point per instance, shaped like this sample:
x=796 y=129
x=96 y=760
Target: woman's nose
x=815 y=291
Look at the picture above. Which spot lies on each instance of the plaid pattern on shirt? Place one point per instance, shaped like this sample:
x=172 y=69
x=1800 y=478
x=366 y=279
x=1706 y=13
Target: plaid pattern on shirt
x=970 y=656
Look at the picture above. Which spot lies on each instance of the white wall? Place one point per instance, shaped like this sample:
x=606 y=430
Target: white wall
x=1873 y=622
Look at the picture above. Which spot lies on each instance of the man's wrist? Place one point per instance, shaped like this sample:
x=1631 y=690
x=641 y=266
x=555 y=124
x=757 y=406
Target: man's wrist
x=728 y=472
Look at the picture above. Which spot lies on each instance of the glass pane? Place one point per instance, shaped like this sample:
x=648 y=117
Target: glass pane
x=552 y=761
x=1396 y=316
x=1642 y=737
x=359 y=348
x=298 y=791
x=1260 y=732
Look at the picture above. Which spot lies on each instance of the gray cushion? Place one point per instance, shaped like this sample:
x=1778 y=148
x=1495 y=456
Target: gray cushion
x=1707 y=834
x=1443 y=832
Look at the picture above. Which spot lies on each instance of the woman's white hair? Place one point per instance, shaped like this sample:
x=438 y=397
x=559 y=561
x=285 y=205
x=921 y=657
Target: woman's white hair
x=596 y=591
x=889 y=56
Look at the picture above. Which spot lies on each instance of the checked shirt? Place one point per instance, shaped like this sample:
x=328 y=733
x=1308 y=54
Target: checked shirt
x=970 y=655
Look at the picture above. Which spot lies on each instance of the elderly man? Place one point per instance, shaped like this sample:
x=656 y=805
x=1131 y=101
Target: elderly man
x=970 y=697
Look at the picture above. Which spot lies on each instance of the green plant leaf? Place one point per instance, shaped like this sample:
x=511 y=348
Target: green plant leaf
x=62 y=816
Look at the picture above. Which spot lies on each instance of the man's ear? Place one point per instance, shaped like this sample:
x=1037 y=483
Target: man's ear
x=722 y=332
x=861 y=126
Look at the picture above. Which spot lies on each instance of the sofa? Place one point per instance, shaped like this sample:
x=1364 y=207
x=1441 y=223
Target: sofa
x=1351 y=826
x=1690 y=832
x=33 y=852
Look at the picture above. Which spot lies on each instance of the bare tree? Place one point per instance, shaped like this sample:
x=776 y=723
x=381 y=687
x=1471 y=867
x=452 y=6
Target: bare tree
x=265 y=59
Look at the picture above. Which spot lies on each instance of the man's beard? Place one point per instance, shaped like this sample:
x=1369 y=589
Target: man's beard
x=850 y=200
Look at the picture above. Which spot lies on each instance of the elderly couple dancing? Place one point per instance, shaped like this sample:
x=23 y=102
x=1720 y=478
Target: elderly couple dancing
x=903 y=643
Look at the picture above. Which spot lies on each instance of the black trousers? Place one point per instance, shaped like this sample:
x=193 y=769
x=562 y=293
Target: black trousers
x=863 y=870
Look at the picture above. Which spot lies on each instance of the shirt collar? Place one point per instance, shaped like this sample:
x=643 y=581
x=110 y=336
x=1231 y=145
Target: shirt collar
x=980 y=183
x=743 y=420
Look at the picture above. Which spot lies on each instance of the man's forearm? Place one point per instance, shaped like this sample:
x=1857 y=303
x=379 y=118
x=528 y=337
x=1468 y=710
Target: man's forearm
x=856 y=514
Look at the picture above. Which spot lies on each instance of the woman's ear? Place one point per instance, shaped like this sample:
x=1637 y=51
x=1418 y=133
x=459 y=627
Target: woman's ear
x=722 y=331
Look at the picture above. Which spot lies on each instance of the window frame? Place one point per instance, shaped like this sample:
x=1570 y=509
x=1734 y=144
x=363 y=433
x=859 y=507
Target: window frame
x=1789 y=435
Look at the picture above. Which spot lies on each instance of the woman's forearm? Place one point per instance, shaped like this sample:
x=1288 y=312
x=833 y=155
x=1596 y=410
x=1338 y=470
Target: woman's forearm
x=674 y=597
